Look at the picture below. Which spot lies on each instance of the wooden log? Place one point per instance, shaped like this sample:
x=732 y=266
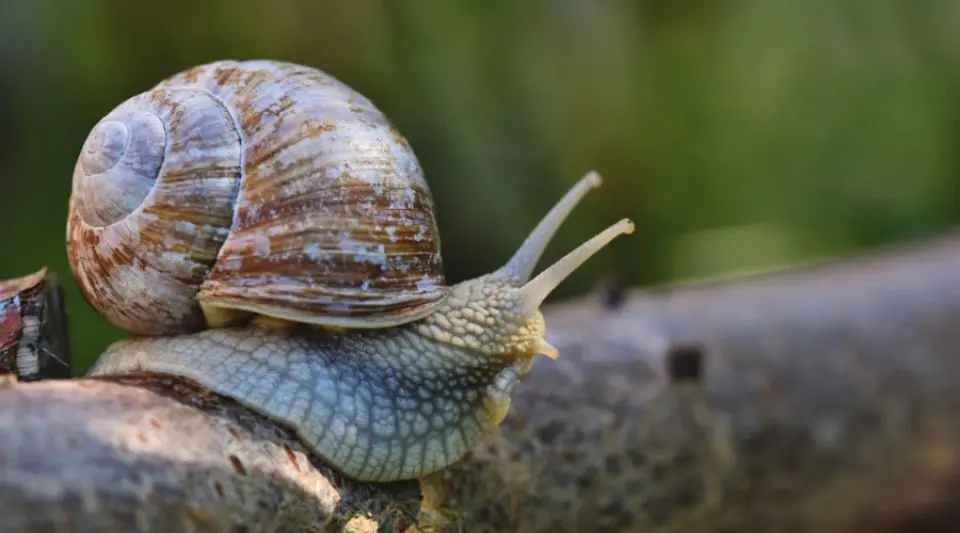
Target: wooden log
x=821 y=399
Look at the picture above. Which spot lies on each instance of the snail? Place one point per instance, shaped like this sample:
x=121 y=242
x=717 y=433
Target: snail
x=262 y=229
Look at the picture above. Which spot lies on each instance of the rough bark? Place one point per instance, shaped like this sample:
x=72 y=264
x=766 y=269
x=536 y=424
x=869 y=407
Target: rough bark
x=817 y=400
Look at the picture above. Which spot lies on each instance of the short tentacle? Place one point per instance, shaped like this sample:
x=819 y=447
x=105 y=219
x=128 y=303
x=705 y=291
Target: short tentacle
x=537 y=289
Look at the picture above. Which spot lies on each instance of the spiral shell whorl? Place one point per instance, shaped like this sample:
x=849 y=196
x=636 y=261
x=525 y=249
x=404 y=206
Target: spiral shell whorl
x=158 y=153
x=259 y=185
x=118 y=169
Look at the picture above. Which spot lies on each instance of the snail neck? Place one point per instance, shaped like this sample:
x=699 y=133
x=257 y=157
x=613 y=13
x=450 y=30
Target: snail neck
x=488 y=315
x=499 y=314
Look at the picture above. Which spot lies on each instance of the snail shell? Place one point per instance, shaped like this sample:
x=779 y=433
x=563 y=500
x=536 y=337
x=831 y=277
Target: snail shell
x=270 y=188
x=255 y=186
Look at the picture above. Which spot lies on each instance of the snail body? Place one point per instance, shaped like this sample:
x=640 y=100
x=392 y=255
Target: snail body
x=306 y=210
x=379 y=405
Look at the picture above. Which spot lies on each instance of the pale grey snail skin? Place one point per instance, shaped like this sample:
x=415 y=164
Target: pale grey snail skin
x=379 y=396
x=378 y=405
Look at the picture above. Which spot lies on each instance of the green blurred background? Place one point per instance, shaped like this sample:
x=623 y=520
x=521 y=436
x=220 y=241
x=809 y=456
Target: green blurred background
x=738 y=135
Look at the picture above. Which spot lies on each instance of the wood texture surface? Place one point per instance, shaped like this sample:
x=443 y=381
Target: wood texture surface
x=823 y=399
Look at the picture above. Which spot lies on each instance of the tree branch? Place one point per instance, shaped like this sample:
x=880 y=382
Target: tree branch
x=822 y=399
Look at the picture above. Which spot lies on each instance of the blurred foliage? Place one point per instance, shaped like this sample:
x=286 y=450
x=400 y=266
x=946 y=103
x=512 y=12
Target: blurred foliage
x=739 y=135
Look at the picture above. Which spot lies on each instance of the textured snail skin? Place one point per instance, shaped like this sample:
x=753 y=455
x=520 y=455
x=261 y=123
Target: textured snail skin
x=378 y=405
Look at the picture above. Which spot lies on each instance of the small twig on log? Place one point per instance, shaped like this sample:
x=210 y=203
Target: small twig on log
x=811 y=401
x=34 y=343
